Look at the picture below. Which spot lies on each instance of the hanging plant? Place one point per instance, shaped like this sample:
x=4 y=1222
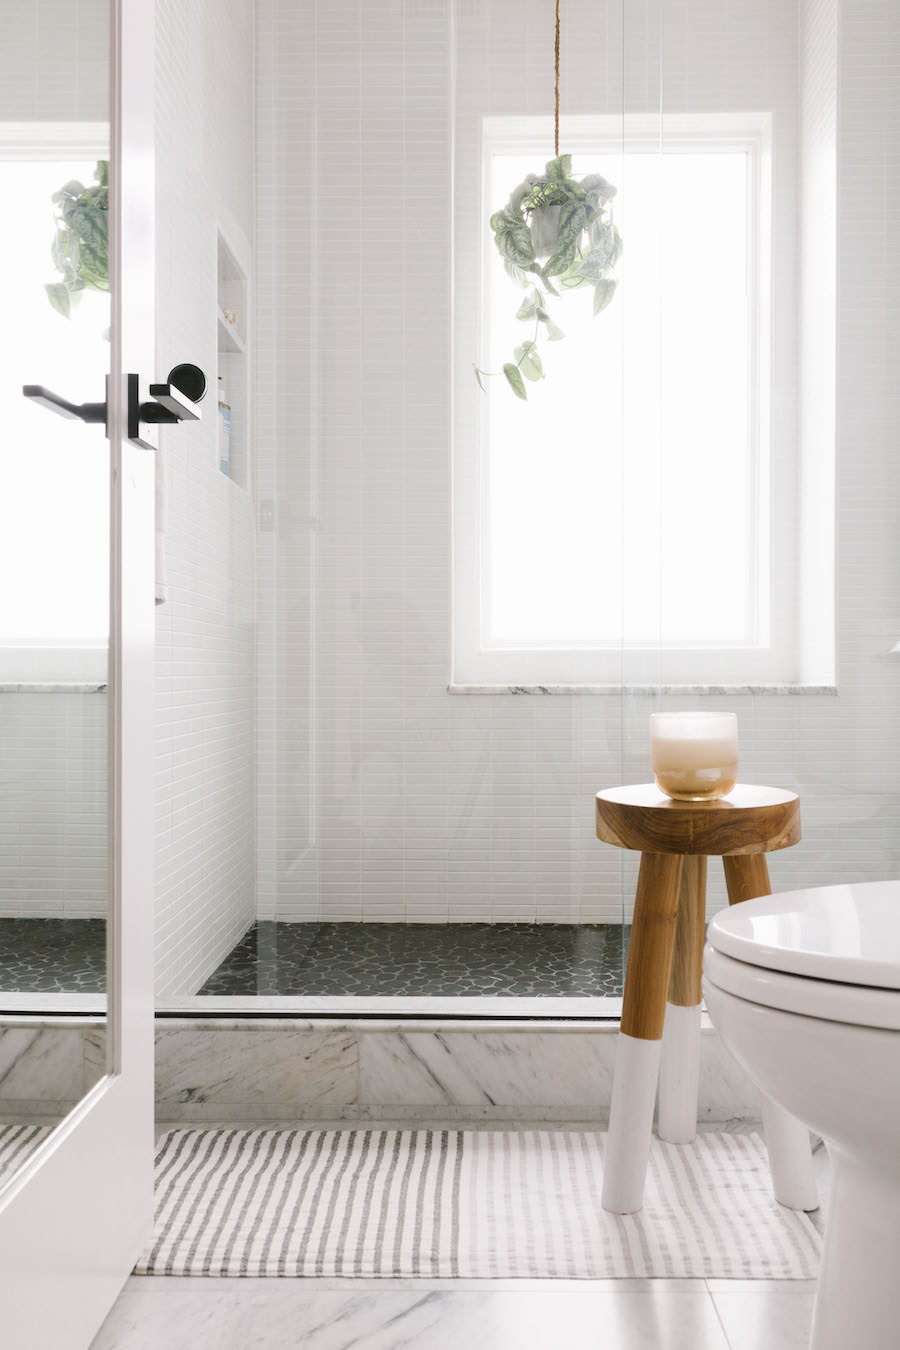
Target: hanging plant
x=568 y=223
x=81 y=249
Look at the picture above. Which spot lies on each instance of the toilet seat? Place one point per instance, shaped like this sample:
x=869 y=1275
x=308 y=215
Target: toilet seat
x=829 y=1000
x=831 y=952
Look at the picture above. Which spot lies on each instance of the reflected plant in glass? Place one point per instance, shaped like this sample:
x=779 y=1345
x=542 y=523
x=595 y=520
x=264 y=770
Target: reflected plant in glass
x=80 y=248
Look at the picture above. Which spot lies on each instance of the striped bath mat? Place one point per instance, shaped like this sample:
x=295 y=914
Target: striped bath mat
x=461 y=1203
x=17 y=1143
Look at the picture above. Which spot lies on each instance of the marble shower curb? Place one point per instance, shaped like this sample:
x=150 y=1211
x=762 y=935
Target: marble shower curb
x=269 y=1070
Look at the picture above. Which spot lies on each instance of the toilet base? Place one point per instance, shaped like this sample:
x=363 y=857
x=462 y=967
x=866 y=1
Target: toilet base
x=858 y=1298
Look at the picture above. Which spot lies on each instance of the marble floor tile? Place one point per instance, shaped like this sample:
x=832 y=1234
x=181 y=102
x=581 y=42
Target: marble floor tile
x=278 y=1314
x=766 y=1319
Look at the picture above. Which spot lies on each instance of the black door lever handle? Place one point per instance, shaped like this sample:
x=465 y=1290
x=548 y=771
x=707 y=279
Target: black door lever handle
x=174 y=401
x=168 y=404
x=85 y=412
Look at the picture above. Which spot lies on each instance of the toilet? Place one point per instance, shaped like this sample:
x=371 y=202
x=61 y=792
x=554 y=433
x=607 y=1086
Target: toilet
x=804 y=989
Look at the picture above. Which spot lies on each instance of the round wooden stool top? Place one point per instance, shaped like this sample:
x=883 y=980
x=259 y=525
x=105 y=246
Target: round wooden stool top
x=749 y=820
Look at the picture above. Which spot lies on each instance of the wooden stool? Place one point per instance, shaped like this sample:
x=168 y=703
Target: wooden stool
x=662 y=981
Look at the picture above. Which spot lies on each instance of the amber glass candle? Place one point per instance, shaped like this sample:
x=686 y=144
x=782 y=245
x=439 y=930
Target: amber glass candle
x=694 y=754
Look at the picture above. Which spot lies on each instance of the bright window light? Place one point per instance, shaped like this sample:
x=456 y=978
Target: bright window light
x=54 y=506
x=635 y=462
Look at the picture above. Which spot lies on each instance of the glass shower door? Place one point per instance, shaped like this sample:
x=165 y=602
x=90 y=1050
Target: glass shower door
x=76 y=642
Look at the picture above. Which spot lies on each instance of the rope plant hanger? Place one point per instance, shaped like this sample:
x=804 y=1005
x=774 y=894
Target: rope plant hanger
x=555 y=234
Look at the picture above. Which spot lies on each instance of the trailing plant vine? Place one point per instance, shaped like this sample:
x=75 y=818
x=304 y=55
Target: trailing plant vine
x=80 y=248
x=570 y=220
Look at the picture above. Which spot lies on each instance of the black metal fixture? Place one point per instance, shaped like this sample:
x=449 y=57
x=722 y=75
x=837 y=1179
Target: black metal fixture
x=174 y=401
x=87 y=412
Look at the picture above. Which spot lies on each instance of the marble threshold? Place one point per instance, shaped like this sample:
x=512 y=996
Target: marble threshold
x=480 y=1008
x=91 y=1005
x=353 y=1068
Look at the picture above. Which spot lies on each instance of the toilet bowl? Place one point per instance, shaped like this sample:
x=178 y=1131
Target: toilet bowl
x=804 y=989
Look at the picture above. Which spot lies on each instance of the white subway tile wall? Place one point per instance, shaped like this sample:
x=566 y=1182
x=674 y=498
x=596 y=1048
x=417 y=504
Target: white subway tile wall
x=54 y=60
x=381 y=796
x=204 y=675
x=53 y=861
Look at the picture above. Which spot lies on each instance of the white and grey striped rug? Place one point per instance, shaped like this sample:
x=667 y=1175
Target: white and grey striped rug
x=17 y=1143
x=459 y=1203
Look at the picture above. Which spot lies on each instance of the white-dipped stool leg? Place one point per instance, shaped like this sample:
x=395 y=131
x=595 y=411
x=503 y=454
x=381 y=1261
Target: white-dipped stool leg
x=630 y=1124
x=679 y=1075
x=790 y=1158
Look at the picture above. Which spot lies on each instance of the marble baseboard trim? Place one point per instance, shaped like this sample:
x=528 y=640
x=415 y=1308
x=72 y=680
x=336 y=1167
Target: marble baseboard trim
x=253 y=1113
x=38 y=1110
x=275 y=1071
x=41 y=1064
x=278 y=1070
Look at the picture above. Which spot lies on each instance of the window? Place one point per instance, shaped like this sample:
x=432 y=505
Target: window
x=624 y=511
x=54 y=507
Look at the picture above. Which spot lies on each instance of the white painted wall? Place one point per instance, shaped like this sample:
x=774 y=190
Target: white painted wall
x=383 y=796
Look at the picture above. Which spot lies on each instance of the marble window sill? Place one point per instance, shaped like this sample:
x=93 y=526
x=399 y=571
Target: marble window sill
x=643 y=689
x=54 y=687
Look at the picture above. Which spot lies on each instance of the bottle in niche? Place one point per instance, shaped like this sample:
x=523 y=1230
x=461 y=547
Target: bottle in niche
x=224 y=430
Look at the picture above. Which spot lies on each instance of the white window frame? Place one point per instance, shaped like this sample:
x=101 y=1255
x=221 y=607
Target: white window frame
x=23 y=663
x=771 y=658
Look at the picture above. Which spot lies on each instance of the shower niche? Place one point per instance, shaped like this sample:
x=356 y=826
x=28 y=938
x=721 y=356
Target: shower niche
x=233 y=384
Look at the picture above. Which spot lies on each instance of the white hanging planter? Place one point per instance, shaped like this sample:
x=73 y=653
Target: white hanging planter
x=555 y=234
x=545 y=230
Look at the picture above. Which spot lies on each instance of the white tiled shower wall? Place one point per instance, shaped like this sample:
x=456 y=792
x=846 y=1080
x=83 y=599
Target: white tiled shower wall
x=381 y=796
x=53 y=775
x=204 y=677
x=53 y=861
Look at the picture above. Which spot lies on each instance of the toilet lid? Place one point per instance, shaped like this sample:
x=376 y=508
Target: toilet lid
x=849 y=934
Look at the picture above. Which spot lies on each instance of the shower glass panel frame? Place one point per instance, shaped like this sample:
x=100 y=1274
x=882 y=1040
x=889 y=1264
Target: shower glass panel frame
x=399 y=821
x=383 y=798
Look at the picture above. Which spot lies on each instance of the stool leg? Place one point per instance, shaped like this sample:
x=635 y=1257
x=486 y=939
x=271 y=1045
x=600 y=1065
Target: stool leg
x=787 y=1139
x=638 y=1048
x=679 y=1071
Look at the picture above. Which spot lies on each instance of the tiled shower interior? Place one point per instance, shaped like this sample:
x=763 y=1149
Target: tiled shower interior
x=330 y=819
x=346 y=959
